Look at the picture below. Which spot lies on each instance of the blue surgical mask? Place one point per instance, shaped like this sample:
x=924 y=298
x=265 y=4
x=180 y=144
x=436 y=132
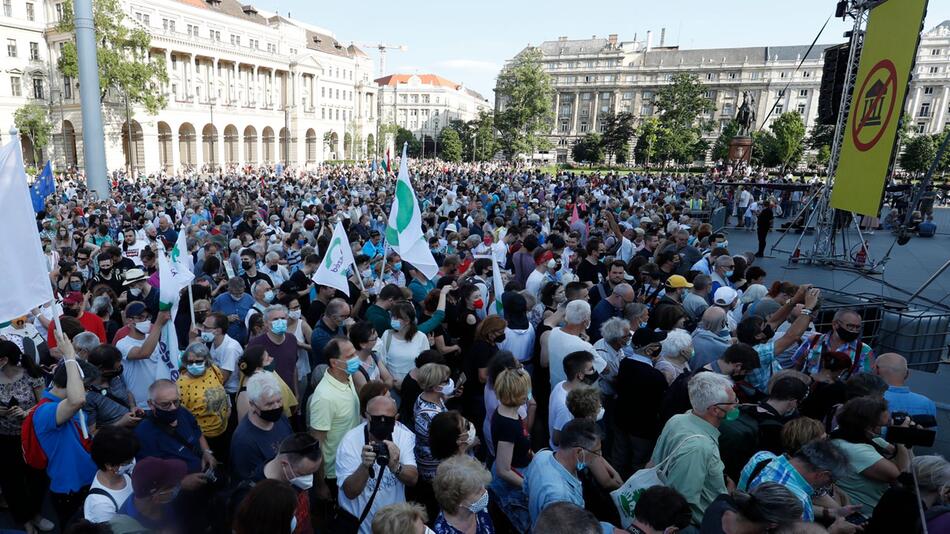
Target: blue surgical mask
x=196 y=369
x=729 y=273
x=397 y=266
x=480 y=505
x=293 y=524
x=268 y=296
x=352 y=366
x=396 y=324
x=643 y=324
x=278 y=326
x=207 y=337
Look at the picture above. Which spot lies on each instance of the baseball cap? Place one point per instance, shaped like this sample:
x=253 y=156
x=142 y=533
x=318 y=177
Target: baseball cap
x=676 y=282
x=134 y=309
x=725 y=296
x=153 y=474
x=450 y=228
x=73 y=297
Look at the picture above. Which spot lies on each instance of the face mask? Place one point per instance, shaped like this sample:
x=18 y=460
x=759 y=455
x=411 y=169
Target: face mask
x=71 y=312
x=397 y=266
x=304 y=482
x=134 y=291
x=143 y=326
x=500 y=338
x=75 y=286
x=381 y=426
x=600 y=414
x=732 y=414
x=471 y=431
x=643 y=324
x=268 y=296
x=448 y=389
x=480 y=505
x=479 y=303
x=729 y=274
x=195 y=369
x=846 y=335
x=273 y=415
x=165 y=416
x=552 y=264
x=352 y=366
x=294 y=314
x=591 y=378
x=207 y=337
x=246 y=264
x=126 y=469
x=278 y=326
x=396 y=324
x=580 y=466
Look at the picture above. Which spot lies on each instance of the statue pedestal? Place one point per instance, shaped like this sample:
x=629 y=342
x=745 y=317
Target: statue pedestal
x=740 y=150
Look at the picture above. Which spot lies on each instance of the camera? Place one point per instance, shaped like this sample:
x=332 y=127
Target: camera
x=382 y=453
x=898 y=418
x=911 y=437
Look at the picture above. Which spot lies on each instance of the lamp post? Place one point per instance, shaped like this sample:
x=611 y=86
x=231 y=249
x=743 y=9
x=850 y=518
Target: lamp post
x=214 y=134
x=93 y=135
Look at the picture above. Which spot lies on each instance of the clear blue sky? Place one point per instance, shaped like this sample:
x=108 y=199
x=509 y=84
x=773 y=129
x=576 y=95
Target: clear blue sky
x=469 y=41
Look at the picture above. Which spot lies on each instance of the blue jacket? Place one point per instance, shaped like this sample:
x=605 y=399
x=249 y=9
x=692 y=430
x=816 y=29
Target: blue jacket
x=226 y=304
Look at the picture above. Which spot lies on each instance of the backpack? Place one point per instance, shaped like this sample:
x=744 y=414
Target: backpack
x=33 y=453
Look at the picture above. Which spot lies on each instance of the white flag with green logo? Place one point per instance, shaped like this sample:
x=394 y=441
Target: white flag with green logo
x=404 y=231
x=334 y=269
x=173 y=276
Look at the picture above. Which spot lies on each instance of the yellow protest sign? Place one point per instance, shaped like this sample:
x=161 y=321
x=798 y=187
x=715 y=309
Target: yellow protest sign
x=890 y=44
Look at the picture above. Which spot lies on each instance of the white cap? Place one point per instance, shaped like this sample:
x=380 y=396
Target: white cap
x=725 y=296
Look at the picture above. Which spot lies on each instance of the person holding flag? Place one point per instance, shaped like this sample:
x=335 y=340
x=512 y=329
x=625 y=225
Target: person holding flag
x=334 y=269
x=42 y=187
x=404 y=231
x=173 y=275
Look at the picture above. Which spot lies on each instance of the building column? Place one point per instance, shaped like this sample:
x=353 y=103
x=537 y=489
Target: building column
x=593 y=117
x=214 y=80
x=168 y=66
x=150 y=140
x=176 y=157
x=577 y=102
x=270 y=93
x=942 y=103
x=252 y=88
x=557 y=111
x=196 y=81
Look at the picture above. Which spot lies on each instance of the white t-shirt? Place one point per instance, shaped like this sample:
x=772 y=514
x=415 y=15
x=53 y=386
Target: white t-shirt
x=133 y=252
x=560 y=345
x=349 y=458
x=99 y=508
x=744 y=198
x=534 y=283
x=519 y=342
x=139 y=374
x=226 y=357
x=400 y=356
x=558 y=414
x=626 y=251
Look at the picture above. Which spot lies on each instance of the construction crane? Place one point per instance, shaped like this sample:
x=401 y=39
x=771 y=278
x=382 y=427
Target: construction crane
x=383 y=48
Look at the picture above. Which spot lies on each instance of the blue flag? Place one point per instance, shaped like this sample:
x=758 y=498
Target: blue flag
x=42 y=187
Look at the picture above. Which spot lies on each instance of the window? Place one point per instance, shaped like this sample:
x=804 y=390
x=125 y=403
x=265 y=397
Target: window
x=806 y=74
x=337 y=114
x=727 y=109
x=755 y=75
x=323 y=92
x=803 y=93
x=934 y=70
x=779 y=109
x=801 y=109
x=589 y=79
x=67 y=88
x=30 y=12
x=924 y=110
x=933 y=52
x=646 y=111
x=11 y=47
x=8 y=8
x=38 y=88
x=585 y=96
x=604 y=109
x=928 y=90
x=605 y=96
x=781 y=93
x=710 y=76
x=782 y=74
x=628 y=95
x=168 y=25
x=921 y=127
x=192 y=30
x=425 y=99
x=583 y=127
x=15 y=85
x=216 y=35
x=585 y=112
x=35 y=51
x=414 y=99
x=323 y=113
x=733 y=75
x=59 y=11
x=563 y=127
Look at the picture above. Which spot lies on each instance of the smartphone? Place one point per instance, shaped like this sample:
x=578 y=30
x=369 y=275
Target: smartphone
x=856 y=519
x=461 y=379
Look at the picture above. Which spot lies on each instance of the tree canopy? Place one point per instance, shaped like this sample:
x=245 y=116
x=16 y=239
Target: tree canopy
x=526 y=94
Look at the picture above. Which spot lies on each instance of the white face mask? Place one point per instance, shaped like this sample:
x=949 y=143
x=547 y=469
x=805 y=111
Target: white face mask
x=600 y=414
x=143 y=326
x=126 y=469
x=471 y=434
x=449 y=388
x=304 y=482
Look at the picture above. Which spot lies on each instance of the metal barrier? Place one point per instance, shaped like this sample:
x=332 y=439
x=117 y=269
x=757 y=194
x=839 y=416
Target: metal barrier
x=920 y=335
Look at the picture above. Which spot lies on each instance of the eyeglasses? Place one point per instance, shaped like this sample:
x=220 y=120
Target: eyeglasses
x=595 y=453
x=167 y=405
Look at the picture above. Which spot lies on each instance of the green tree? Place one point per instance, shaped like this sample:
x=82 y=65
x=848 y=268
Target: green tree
x=484 y=144
x=681 y=108
x=647 y=135
x=122 y=53
x=386 y=132
x=31 y=120
x=919 y=153
x=764 y=152
x=823 y=156
x=589 y=150
x=405 y=136
x=618 y=130
x=720 y=148
x=450 y=146
x=526 y=94
x=788 y=131
x=821 y=135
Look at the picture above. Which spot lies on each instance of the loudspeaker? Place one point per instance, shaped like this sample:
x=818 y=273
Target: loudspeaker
x=832 y=83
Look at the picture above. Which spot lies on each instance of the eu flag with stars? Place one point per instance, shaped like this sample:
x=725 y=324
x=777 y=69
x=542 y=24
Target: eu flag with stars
x=42 y=187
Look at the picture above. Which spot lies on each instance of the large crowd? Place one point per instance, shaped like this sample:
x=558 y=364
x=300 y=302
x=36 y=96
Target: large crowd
x=634 y=373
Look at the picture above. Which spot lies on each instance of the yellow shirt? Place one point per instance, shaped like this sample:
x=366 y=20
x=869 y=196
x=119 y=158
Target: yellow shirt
x=334 y=409
x=204 y=396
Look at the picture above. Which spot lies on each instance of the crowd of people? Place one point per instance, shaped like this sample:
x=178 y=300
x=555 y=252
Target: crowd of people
x=626 y=337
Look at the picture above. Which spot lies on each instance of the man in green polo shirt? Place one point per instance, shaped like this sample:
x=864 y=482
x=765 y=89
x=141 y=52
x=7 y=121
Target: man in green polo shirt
x=334 y=405
x=688 y=448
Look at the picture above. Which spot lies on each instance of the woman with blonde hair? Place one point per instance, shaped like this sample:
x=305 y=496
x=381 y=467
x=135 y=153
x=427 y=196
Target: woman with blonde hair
x=460 y=489
x=512 y=446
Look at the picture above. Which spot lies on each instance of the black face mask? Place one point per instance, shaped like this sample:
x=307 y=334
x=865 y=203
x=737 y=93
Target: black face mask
x=382 y=426
x=112 y=373
x=845 y=335
x=500 y=338
x=71 y=312
x=591 y=378
x=273 y=415
x=165 y=416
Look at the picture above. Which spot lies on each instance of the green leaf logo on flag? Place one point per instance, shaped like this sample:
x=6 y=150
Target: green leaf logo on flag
x=329 y=260
x=174 y=254
x=404 y=207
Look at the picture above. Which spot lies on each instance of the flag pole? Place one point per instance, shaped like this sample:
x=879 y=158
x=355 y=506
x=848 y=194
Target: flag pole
x=359 y=277
x=191 y=305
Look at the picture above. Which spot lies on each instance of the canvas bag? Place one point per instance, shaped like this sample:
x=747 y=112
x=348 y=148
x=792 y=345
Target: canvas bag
x=625 y=497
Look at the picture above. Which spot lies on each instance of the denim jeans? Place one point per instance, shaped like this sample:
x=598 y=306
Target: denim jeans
x=512 y=500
